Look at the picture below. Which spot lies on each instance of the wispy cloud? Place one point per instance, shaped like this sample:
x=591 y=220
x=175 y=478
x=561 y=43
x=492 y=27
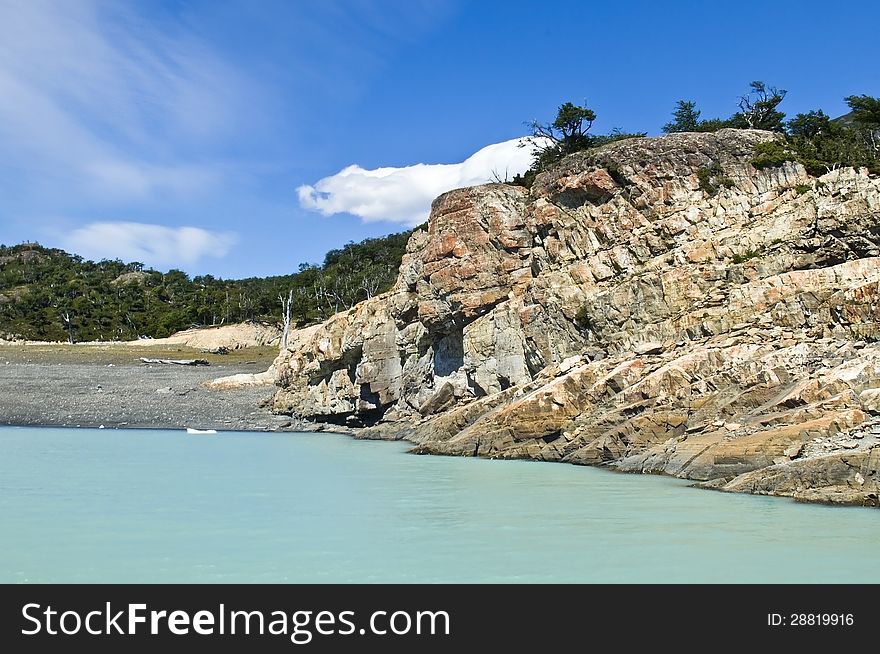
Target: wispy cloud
x=181 y=113
x=404 y=195
x=155 y=245
x=97 y=95
x=135 y=180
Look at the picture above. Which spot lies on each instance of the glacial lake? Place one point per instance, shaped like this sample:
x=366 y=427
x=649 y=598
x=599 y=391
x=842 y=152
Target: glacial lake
x=79 y=505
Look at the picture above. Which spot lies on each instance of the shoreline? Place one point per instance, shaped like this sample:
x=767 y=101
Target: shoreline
x=413 y=449
x=90 y=386
x=80 y=387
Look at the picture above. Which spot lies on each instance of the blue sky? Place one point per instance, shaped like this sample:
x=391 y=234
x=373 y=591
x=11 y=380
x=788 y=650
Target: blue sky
x=210 y=134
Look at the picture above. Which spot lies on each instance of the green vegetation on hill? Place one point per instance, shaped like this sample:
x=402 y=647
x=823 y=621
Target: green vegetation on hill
x=811 y=138
x=48 y=294
x=821 y=144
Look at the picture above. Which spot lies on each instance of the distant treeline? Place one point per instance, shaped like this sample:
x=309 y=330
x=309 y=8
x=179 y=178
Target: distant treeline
x=48 y=294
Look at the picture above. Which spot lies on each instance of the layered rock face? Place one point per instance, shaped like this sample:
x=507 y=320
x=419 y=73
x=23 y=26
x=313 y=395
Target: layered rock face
x=657 y=305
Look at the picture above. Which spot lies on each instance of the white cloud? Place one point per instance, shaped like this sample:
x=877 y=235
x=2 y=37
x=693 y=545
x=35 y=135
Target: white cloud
x=154 y=245
x=404 y=195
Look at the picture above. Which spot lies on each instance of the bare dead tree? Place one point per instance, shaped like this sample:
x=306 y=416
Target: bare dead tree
x=134 y=328
x=872 y=138
x=245 y=306
x=758 y=107
x=370 y=285
x=319 y=289
x=347 y=290
x=68 y=325
x=496 y=176
x=285 y=309
x=338 y=294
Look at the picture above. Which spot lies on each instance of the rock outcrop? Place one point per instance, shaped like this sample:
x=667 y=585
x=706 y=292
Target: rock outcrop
x=657 y=305
x=241 y=380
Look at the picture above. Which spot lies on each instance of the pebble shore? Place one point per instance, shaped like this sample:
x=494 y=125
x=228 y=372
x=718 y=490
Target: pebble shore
x=64 y=387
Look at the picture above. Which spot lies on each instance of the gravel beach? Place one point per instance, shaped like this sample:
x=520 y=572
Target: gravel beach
x=94 y=385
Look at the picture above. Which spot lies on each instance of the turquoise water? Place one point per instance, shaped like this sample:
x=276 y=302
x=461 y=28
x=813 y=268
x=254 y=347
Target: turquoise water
x=81 y=505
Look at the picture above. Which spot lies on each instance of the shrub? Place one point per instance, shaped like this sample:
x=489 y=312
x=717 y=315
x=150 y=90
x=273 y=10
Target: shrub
x=771 y=155
x=745 y=256
x=704 y=176
x=712 y=178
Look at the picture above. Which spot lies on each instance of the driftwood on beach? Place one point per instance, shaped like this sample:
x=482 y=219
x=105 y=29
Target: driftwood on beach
x=179 y=362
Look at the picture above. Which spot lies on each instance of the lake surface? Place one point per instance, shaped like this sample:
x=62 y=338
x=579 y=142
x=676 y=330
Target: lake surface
x=80 y=505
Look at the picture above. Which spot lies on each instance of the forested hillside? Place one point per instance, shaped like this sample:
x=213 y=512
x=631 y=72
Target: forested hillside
x=49 y=294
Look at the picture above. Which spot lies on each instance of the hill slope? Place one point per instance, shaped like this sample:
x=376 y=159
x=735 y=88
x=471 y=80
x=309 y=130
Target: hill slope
x=48 y=294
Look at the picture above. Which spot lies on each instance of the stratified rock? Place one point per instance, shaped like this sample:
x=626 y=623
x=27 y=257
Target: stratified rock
x=617 y=314
x=841 y=478
x=870 y=400
x=651 y=347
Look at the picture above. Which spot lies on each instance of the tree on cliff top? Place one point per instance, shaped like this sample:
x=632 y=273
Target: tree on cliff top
x=821 y=144
x=865 y=110
x=809 y=125
x=866 y=115
x=757 y=109
x=565 y=135
x=685 y=118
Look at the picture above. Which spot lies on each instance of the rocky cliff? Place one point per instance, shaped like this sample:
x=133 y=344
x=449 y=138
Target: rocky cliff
x=657 y=305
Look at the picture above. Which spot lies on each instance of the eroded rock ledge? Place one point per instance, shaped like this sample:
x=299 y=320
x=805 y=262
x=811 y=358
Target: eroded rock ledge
x=619 y=314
